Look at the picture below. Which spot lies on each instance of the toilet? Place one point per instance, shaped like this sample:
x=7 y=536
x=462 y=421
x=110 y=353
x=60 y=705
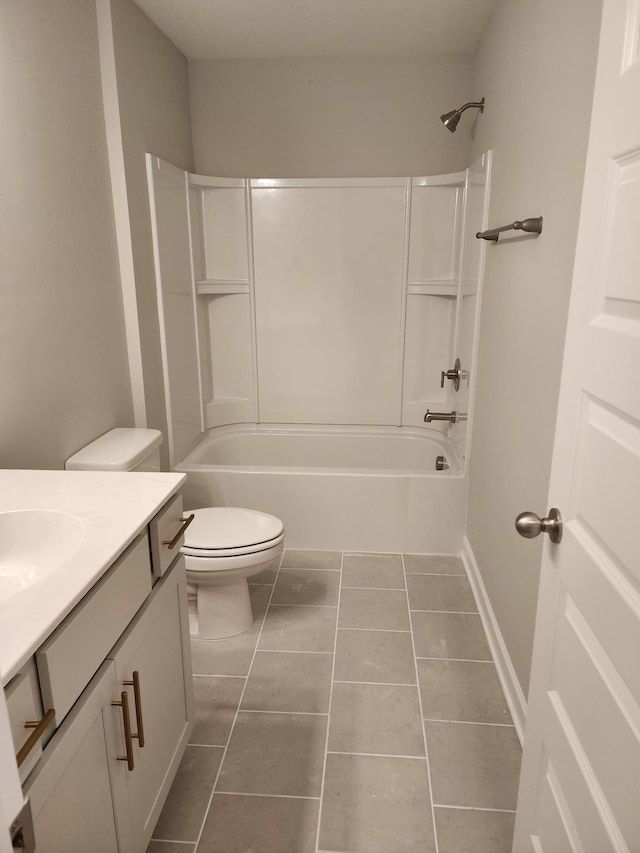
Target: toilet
x=223 y=546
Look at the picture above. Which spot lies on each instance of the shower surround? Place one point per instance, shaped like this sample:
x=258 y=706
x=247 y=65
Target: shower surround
x=323 y=312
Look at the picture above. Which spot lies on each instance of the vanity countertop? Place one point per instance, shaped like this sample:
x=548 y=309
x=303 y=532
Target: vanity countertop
x=112 y=509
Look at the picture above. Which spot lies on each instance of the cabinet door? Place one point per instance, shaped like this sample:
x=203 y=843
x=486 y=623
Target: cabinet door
x=79 y=784
x=156 y=647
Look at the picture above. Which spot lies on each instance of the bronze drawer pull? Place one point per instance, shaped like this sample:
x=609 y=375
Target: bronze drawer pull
x=135 y=683
x=126 y=720
x=39 y=727
x=185 y=522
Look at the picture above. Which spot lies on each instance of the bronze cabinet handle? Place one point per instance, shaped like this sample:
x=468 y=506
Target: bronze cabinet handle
x=124 y=704
x=135 y=683
x=39 y=727
x=185 y=522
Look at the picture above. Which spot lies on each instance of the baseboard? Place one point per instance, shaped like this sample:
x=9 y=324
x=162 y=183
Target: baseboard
x=506 y=673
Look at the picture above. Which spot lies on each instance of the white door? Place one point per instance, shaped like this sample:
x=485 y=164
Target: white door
x=580 y=783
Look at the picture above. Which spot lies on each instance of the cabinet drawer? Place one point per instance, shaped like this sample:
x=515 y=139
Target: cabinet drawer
x=24 y=704
x=163 y=528
x=73 y=653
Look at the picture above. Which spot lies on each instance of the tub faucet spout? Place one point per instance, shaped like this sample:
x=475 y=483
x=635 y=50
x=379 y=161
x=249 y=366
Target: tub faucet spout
x=452 y=417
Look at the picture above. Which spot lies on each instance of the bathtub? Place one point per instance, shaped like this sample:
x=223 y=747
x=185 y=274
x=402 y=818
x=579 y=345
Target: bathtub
x=336 y=488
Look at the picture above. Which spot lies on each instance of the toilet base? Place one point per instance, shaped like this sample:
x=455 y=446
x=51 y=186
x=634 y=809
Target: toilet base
x=223 y=610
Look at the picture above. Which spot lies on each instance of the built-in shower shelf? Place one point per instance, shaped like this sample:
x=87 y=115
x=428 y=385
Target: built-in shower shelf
x=210 y=286
x=433 y=288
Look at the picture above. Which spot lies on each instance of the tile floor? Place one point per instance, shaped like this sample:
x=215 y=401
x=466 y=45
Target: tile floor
x=361 y=713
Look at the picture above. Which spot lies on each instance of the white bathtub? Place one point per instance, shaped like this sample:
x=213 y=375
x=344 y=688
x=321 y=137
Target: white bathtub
x=344 y=488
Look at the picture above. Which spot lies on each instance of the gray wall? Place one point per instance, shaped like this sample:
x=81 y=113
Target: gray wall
x=535 y=67
x=153 y=94
x=328 y=117
x=63 y=369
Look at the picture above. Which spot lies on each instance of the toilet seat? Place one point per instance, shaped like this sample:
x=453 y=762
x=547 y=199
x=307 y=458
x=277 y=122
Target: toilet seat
x=219 y=532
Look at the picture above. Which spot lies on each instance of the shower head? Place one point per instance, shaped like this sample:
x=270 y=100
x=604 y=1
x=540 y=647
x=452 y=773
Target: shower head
x=451 y=119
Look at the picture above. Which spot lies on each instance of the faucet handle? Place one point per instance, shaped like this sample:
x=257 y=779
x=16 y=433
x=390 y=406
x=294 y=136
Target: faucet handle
x=456 y=374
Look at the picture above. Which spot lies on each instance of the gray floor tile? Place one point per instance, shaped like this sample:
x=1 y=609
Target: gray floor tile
x=289 y=681
x=266 y=576
x=376 y=805
x=243 y=824
x=376 y=718
x=471 y=831
x=299 y=629
x=231 y=656
x=382 y=571
x=433 y=564
x=184 y=811
x=216 y=702
x=379 y=656
x=170 y=847
x=467 y=691
x=307 y=586
x=259 y=595
x=382 y=609
x=275 y=754
x=473 y=765
x=440 y=592
x=293 y=559
x=449 y=635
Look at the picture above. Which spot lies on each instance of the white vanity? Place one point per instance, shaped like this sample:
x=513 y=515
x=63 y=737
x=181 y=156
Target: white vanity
x=95 y=641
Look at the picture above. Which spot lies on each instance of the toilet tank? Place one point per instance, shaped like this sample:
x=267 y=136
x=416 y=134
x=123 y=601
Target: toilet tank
x=120 y=449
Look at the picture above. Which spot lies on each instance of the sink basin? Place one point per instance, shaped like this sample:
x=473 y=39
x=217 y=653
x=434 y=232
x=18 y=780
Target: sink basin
x=34 y=543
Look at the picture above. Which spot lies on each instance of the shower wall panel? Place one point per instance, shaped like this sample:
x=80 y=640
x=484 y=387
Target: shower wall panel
x=468 y=304
x=329 y=287
x=179 y=338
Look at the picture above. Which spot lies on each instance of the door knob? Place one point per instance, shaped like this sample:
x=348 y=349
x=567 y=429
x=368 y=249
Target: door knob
x=530 y=525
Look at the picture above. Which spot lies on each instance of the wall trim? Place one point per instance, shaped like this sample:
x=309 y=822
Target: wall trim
x=506 y=672
x=122 y=220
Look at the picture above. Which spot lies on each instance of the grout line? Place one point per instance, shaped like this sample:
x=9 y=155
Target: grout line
x=424 y=732
x=209 y=745
x=289 y=652
x=377 y=683
x=378 y=588
x=468 y=723
x=473 y=808
x=290 y=713
x=326 y=742
x=436 y=574
x=377 y=755
x=457 y=660
x=277 y=796
x=463 y=612
x=330 y=606
x=377 y=630
x=206 y=675
x=232 y=727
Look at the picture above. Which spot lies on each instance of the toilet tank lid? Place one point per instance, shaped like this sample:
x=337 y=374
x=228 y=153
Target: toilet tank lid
x=120 y=449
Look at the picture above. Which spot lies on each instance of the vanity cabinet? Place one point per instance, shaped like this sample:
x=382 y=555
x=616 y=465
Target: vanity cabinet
x=78 y=789
x=102 y=778
x=156 y=647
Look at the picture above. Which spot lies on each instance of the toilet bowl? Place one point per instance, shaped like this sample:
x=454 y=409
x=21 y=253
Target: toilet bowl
x=223 y=547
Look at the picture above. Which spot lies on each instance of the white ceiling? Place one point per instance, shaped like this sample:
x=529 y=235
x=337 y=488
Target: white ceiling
x=244 y=29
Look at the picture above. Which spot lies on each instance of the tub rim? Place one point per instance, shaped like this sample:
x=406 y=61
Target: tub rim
x=410 y=433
